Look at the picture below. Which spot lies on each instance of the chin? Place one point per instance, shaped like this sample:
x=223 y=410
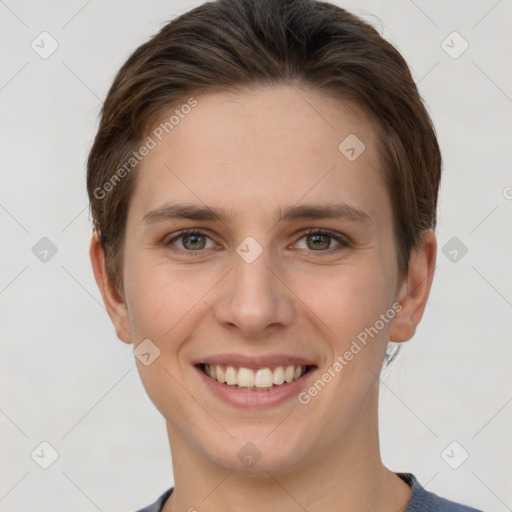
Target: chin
x=257 y=455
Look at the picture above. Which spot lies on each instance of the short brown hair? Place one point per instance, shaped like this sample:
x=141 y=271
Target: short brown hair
x=236 y=44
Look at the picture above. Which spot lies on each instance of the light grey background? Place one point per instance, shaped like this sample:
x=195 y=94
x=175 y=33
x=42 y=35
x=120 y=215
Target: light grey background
x=67 y=380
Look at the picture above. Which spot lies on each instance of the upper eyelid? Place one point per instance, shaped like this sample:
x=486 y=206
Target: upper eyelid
x=325 y=231
x=191 y=231
x=341 y=238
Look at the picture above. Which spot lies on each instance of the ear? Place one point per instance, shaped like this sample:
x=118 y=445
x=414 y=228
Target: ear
x=415 y=289
x=114 y=303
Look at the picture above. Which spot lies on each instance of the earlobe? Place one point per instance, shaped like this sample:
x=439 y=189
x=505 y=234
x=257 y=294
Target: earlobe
x=114 y=302
x=414 y=291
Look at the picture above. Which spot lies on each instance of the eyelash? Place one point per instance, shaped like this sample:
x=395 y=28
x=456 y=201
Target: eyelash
x=342 y=240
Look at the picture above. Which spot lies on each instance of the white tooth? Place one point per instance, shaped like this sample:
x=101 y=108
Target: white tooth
x=263 y=378
x=289 y=373
x=213 y=374
x=245 y=377
x=221 y=376
x=278 y=377
x=298 y=372
x=231 y=377
x=207 y=369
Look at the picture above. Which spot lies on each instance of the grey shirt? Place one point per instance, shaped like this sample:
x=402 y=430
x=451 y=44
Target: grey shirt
x=421 y=500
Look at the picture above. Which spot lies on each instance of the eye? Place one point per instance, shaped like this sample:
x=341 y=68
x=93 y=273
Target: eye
x=320 y=240
x=191 y=241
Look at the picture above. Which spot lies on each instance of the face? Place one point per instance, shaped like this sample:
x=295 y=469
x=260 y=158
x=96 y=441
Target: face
x=260 y=251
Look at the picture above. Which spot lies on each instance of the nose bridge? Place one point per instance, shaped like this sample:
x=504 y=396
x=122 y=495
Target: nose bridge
x=252 y=274
x=254 y=299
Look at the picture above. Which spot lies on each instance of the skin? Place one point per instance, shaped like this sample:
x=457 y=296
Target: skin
x=252 y=153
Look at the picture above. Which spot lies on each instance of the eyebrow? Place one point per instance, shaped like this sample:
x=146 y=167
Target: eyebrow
x=326 y=211
x=184 y=211
x=309 y=211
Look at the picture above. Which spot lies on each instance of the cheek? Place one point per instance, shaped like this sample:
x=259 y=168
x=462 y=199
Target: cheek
x=152 y=302
x=163 y=307
x=164 y=300
x=347 y=298
x=159 y=301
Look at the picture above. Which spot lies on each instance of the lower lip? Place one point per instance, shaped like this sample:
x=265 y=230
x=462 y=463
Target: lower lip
x=264 y=398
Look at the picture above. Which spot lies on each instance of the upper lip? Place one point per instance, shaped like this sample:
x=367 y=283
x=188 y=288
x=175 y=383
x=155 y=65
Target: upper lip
x=255 y=362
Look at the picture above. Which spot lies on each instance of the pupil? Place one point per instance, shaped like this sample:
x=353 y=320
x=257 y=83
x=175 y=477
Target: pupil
x=194 y=239
x=320 y=241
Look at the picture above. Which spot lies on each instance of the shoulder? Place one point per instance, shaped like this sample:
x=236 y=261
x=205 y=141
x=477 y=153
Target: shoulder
x=425 y=501
x=421 y=500
x=159 y=503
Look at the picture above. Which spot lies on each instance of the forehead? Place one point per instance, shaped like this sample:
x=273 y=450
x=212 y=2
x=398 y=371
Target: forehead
x=272 y=146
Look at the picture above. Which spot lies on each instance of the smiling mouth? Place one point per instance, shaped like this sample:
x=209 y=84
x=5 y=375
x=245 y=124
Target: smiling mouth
x=260 y=379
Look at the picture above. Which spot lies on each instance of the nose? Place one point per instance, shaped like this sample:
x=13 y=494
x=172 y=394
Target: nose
x=254 y=299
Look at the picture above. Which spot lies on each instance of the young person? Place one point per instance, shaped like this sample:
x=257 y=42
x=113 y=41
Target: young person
x=263 y=187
